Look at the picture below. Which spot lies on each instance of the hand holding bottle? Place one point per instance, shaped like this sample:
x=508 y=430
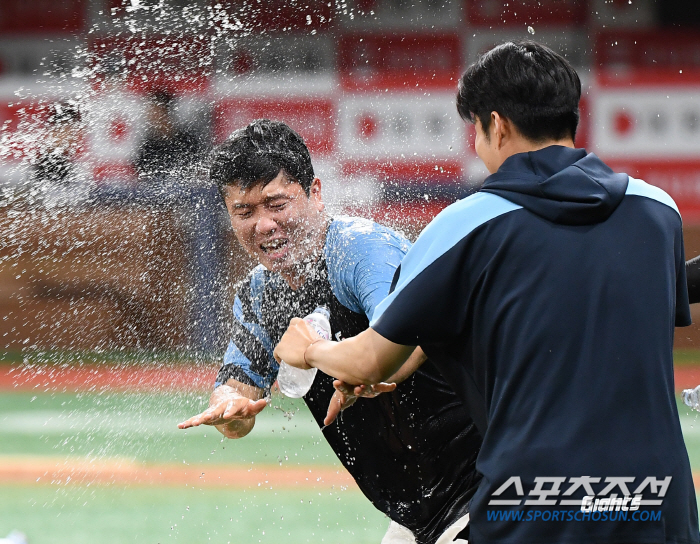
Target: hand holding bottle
x=296 y=382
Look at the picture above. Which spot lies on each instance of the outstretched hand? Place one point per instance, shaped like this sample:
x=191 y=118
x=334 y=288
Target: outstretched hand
x=345 y=396
x=226 y=411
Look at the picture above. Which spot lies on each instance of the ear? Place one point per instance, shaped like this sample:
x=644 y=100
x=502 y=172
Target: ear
x=315 y=194
x=500 y=129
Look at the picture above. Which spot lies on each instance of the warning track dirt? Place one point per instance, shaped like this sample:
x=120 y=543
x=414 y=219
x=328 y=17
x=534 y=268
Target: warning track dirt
x=77 y=471
x=57 y=378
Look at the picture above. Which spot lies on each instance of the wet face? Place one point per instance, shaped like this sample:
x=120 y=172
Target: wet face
x=278 y=225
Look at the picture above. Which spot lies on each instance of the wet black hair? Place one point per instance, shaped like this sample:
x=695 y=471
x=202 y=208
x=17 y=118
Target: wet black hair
x=528 y=83
x=258 y=153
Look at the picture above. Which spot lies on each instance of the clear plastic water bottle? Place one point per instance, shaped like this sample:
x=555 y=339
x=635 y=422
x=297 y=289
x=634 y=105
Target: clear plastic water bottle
x=691 y=398
x=296 y=382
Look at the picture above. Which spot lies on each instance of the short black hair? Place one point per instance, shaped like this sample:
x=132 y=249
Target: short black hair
x=258 y=153
x=528 y=83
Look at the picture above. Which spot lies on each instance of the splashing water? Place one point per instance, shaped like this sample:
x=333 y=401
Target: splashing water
x=97 y=253
x=691 y=398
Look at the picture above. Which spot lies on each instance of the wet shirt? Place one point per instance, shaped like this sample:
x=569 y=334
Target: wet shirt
x=549 y=300
x=692 y=270
x=412 y=451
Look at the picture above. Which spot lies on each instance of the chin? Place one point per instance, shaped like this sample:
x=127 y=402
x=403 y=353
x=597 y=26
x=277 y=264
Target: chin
x=276 y=265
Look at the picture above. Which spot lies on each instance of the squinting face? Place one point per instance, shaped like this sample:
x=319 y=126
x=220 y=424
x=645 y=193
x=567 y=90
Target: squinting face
x=278 y=224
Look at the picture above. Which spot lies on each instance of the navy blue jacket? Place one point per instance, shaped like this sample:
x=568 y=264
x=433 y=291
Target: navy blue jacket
x=548 y=300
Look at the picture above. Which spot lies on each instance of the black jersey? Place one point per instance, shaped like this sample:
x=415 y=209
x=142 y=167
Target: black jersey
x=412 y=452
x=692 y=271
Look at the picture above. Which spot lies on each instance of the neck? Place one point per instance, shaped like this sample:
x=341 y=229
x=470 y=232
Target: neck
x=524 y=146
x=295 y=278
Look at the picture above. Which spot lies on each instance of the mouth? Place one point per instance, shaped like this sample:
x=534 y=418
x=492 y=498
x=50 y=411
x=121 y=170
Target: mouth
x=273 y=246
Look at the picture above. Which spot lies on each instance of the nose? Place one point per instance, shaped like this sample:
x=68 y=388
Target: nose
x=265 y=225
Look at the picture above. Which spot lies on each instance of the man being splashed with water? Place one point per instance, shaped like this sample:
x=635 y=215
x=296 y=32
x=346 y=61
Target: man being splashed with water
x=410 y=448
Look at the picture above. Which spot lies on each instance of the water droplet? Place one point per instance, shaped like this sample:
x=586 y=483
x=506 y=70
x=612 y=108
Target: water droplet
x=531 y=30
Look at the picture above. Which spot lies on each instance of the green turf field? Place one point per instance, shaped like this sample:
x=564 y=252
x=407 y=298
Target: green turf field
x=110 y=515
x=142 y=428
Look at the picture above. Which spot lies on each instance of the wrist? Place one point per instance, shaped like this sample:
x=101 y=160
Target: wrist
x=306 y=352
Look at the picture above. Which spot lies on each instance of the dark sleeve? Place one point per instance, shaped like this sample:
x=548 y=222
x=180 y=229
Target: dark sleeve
x=692 y=272
x=436 y=278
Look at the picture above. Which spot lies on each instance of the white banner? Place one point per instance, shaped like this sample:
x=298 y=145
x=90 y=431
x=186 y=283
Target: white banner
x=115 y=125
x=646 y=124
x=400 y=125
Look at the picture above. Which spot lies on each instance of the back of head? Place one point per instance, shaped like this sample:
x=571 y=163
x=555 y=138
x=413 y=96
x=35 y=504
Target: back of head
x=534 y=87
x=258 y=153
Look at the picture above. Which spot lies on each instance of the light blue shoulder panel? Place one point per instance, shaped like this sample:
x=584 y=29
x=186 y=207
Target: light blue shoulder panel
x=362 y=257
x=444 y=232
x=638 y=187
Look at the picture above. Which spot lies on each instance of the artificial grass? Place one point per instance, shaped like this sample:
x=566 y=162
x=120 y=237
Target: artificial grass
x=143 y=427
x=114 y=515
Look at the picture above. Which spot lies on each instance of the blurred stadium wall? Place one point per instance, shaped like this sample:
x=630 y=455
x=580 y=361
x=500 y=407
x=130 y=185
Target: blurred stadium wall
x=369 y=84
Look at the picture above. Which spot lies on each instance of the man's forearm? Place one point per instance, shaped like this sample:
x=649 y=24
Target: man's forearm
x=367 y=358
x=412 y=364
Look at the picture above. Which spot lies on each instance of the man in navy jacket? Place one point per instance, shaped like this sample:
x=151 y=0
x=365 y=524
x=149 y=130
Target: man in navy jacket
x=548 y=300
